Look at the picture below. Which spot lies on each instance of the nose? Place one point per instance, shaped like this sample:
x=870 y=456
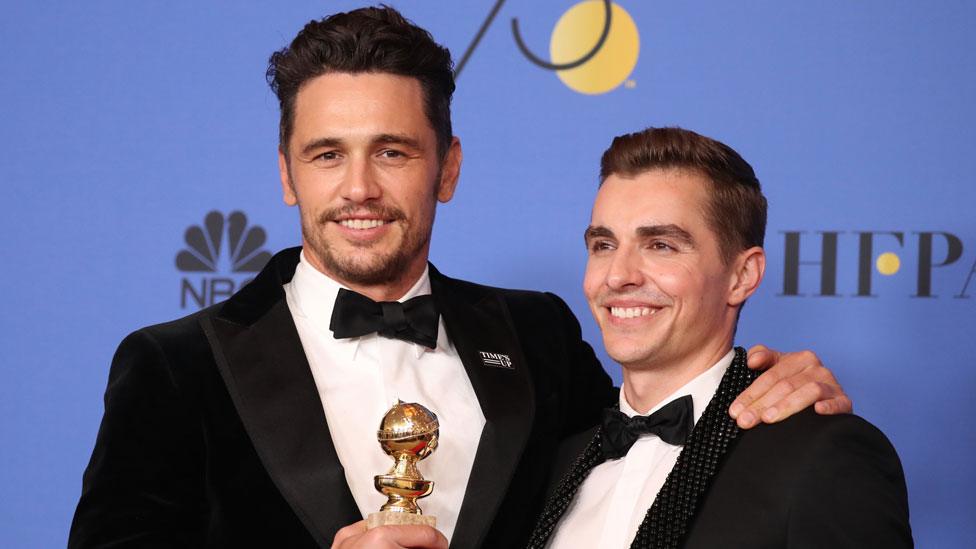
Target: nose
x=359 y=183
x=624 y=270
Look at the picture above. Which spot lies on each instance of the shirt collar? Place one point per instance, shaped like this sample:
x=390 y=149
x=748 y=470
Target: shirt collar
x=313 y=297
x=702 y=388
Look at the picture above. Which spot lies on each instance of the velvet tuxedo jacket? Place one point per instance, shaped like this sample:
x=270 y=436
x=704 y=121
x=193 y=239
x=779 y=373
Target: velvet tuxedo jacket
x=214 y=434
x=809 y=481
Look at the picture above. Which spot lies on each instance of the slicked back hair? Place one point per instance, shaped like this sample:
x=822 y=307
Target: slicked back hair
x=366 y=40
x=737 y=208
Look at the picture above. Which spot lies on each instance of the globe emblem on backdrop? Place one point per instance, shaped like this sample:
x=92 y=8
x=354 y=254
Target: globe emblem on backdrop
x=574 y=36
x=888 y=263
x=593 y=48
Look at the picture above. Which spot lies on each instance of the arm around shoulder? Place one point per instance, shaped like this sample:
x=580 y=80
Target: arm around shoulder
x=143 y=486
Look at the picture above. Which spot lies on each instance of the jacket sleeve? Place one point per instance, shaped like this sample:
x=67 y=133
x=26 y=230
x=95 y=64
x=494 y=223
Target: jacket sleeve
x=590 y=388
x=143 y=485
x=853 y=494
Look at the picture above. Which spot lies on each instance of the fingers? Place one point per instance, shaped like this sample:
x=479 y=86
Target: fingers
x=793 y=401
x=760 y=357
x=837 y=405
x=793 y=382
x=771 y=391
x=348 y=532
x=356 y=536
x=408 y=536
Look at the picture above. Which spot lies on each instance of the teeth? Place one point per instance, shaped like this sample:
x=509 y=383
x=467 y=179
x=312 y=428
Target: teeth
x=631 y=312
x=360 y=224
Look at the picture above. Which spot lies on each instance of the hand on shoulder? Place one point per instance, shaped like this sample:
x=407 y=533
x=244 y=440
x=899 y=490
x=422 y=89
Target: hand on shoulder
x=790 y=383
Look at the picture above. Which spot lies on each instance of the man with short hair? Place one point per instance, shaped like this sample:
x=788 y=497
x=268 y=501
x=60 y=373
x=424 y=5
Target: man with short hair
x=675 y=250
x=252 y=422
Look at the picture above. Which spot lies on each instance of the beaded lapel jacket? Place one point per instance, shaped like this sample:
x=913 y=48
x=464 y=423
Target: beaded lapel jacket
x=674 y=507
x=808 y=481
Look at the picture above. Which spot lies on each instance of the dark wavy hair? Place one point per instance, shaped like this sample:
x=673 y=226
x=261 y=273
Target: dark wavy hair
x=375 y=40
x=737 y=207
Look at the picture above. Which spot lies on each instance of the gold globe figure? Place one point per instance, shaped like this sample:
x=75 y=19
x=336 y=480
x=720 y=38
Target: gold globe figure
x=408 y=433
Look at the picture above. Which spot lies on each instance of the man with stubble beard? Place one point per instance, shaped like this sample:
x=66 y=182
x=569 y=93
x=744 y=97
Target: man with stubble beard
x=252 y=422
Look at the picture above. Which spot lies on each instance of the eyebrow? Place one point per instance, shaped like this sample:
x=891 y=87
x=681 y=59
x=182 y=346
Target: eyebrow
x=381 y=139
x=594 y=231
x=670 y=230
x=645 y=231
x=320 y=143
x=397 y=139
x=598 y=231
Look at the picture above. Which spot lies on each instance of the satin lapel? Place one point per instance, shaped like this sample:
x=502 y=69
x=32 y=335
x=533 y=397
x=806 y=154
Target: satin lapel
x=587 y=454
x=477 y=321
x=674 y=509
x=261 y=360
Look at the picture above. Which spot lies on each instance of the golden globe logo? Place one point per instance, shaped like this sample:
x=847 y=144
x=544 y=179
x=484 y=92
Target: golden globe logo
x=593 y=47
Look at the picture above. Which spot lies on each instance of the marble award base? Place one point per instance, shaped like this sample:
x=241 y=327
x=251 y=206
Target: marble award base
x=386 y=518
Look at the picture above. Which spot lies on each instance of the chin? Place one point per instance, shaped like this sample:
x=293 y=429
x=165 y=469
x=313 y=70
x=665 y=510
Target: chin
x=626 y=355
x=371 y=274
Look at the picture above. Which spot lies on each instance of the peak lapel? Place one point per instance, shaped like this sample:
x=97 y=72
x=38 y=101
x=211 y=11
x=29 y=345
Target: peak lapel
x=261 y=359
x=478 y=322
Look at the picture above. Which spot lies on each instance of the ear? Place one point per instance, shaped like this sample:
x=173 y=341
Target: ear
x=750 y=266
x=450 y=171
x=287 y=188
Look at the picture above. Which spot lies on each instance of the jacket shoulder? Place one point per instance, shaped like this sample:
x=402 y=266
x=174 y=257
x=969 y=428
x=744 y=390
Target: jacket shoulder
x=178 y=346
x=178 y=331
x=520 y=302
x=807 y=481
x=808 y=444
x=809 y=430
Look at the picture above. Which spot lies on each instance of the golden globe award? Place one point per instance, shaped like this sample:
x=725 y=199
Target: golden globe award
x=408 y=433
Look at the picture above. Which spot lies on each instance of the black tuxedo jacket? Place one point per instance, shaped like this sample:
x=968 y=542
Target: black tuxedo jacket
x=214 y=433
x=809 y=481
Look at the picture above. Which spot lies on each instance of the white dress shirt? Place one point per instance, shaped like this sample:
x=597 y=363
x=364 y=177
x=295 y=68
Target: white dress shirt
x=359 y=378
x=613 y=500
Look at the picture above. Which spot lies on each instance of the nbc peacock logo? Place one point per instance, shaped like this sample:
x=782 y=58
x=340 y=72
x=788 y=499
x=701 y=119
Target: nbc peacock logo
x=221 y=246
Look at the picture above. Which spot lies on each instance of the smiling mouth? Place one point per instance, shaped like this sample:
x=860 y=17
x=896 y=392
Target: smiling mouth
x=631 y=312
x=362 y=224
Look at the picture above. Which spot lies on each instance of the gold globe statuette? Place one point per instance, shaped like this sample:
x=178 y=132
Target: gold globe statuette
x=408 y=433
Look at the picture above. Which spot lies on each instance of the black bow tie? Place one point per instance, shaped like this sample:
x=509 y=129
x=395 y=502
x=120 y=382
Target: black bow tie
x=672 y=424
x=413 y=320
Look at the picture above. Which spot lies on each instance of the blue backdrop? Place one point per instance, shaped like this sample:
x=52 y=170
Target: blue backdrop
x=125 y=123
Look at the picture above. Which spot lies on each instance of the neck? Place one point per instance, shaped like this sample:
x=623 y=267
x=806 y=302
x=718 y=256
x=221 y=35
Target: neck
x=647 y=385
